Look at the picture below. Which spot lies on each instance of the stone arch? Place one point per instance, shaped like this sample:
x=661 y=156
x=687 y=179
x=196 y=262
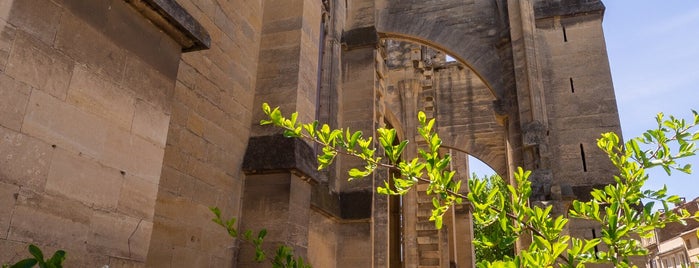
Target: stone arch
x=485 y=154
x=473 y=32
x=462 y=102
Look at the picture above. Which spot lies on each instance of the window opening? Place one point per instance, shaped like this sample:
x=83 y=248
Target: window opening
x=582 y=156
x=594 y=235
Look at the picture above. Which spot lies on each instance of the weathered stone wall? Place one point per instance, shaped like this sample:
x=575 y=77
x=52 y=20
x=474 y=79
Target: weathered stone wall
x=84 y=116
x=114 y=137
x=580 y=100
x=210 y=126
x=463 y=107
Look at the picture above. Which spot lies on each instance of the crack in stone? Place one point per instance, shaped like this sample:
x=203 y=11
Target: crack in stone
x=131 y=236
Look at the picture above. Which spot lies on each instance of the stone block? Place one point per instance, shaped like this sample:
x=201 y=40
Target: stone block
x=225 y=159
x=7 y=38
x=137 y=198
x=187 y=257
x=238 y=102
x=153 y=46
x=56 y=122
x=119 y=236
x=81 y=178
x=25 y=160
x=93 y=12
x=199 y=191
x=215 y=135
x=175 y=159
x=31 y=225
x=191 y=144
x=159 y=254
x=12 y=251
x=217 y=242
x=195 y=123
x=40 y=66
x=149 y=84
x=8 y=198
x=40 y=18
x=150 y=123
x=86 y=45
x=133 y=155
x=98 y=96
x=227 y=199
x=60 y=206
x=171 y=180
x=182 y=210
x=208 y=90
x=187 y=75
x=125 y=263
x=13 y=103
x=169 y=232
x=226 y=261
x=186 y=96
x=207 y=173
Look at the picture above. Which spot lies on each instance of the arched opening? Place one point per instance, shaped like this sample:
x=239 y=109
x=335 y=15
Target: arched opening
x=481 y=171
x=414 y=77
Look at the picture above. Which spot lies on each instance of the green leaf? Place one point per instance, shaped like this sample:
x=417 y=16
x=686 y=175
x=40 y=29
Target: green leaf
x=421 y=117
x=261 y=235
x=355 y=173
x=26 y=263
x=438 y=222
x=58 y=258
x=36 y=252
x=259 y=256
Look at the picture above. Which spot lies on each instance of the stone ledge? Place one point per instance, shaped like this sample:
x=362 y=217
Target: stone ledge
x=360 y=37
x=266 y=154
x=546 y=8
x=175 y=21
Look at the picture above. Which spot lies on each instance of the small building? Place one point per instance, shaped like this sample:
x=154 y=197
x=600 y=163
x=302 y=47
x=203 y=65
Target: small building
x=676 y=245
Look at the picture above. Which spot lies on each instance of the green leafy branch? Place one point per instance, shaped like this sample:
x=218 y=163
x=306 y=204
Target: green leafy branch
x=614 y=207
x=283 y=256
x=430 y=167
x=617 y=207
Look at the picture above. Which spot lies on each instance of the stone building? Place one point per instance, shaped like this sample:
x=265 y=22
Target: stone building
x=675 y=245
x=122 y=121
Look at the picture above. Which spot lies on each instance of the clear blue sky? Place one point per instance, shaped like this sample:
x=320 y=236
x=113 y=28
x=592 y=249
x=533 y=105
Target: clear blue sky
x=653 y=51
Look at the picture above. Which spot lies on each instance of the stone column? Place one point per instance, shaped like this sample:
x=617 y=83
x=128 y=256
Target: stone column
x=280 y=171
x=530 y=95
x=358 y=112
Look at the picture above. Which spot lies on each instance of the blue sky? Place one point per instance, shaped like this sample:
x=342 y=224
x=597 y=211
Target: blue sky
x=653 y=49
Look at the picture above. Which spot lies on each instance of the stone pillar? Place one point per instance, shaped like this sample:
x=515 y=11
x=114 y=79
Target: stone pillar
x=530 y=95
x=279 y=203
x=463 y=236
x=280 y=171
x=358 y=113
x=288 y=61
x=409 y=91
